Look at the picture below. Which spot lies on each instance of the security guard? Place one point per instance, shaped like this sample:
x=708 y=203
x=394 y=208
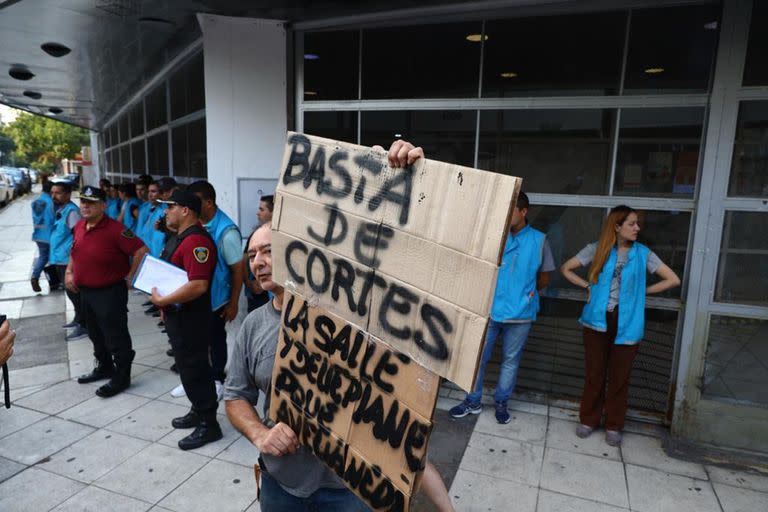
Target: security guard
x=188 y=315
x=99 y=268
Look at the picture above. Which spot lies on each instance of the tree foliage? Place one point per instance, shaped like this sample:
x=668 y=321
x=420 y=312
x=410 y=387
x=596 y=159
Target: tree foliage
x=41 y=142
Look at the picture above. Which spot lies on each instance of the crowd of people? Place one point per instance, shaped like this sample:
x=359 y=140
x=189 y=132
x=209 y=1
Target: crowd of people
x=94 y=250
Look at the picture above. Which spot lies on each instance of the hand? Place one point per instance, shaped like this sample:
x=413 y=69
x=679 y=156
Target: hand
x=69 y=282
x=229 y=312
x=156 y=298
x=277 y=441
x=7 y=338
x=402 y=153
x=157 y=225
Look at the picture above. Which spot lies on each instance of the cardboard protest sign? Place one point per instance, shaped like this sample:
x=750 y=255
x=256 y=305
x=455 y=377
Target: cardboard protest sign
x=389 y=277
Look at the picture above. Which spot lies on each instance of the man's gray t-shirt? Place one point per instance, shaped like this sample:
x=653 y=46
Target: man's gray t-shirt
x=250 y=372
x=587 y=254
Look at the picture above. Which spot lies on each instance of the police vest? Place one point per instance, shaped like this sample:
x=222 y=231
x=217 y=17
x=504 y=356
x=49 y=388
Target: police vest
x=113 y=208
x=128 y=220
x=631 y=306
x=141 y=221
x=516 y=296
x=43 y=218
x=155 y=238
x=61 y=236
x=222 y=282
x=203 y=302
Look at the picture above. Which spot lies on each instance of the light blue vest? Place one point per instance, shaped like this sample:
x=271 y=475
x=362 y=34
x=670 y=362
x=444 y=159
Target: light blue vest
x=141 y=221
x=128 y=220
x=113 y=208
x=221 y=286
x=155 y=239
x=61 y=237
x=516 y=296
x=631 y=296
x=43 y=218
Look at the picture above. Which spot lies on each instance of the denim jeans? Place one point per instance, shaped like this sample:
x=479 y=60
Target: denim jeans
x=275 y=499
x=43 y=252
x=514 y=336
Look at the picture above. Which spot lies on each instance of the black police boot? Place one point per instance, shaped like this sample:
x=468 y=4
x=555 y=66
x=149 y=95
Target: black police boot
x=100 y=372
x=121 y=379
x=189 y=420
x=206 y=432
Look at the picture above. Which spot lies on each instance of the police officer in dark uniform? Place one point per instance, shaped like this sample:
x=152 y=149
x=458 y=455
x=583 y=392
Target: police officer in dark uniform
x=187 y=313
x=99 y=266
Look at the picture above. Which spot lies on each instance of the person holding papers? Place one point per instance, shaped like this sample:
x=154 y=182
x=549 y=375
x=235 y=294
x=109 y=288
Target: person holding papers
x=99 y=265
x=188 y=316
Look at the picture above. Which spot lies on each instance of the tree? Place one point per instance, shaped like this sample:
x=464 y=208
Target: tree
x=43 y=142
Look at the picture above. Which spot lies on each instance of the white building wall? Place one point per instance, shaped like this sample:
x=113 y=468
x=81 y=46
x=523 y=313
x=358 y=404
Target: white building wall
x=245 y=102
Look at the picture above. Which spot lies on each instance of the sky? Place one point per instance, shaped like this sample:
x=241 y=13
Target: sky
x=8 y=114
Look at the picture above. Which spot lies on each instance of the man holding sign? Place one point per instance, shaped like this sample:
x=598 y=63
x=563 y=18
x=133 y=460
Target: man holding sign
x=188 y=315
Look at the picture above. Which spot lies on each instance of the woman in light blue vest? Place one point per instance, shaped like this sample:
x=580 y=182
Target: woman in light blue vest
x=613 y=317
x=129 y=212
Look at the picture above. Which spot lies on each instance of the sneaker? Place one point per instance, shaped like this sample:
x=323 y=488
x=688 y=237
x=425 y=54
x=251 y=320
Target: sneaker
x=219 y=390
x=205 y=432
x=70 y=325
x=36 y=285
x=178 y=391
x=613 y=438
x=584 y=431
x=464 y=408
x=79 y=332
x=502 y=415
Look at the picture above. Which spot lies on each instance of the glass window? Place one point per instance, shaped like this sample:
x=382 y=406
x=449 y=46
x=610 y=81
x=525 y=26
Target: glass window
x=188 y=88
x=331 y=62
x=157 y=149
x=138 y=157
x=742 y=275
x=755 y=68
x=658 y=152
x=554 y=151
x=428 y=61
x=554 y=55
x=156 y=108
x=124 y=130
x=125 y=158
x=445 y=135
x=189 y=150
x=671 y=50
x=666 y=234
x=108 y=161
x=137 y=119
x=332 y=125
x=737 y=353
x=749 y=169
x=113 y=138
x=180 y=151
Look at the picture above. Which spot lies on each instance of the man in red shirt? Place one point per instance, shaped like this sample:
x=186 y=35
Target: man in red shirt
x=188 y=316
x=99 y=266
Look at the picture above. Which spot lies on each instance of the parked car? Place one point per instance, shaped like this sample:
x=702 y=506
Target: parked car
x=15 y=183
x=6 y=190
x=33 y=175
x=21 y=179
x=73 y=179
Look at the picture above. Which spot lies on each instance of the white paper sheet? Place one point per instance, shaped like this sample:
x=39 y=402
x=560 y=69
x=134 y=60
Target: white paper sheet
x=156 y=273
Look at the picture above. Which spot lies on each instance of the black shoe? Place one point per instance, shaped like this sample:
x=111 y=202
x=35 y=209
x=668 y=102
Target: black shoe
x=164 y=331
x=36 y=285
x=152 y=310
x=70 y=325
x=169 y=352
x=189 y=420
x=112 y=388
x=161 y=324
x=156 y=314
x=147 y=304
x=174 y=369
x=206 y=432
x=101 y=372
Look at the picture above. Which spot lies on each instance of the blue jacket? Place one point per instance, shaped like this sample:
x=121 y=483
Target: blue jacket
x=155 y=240
x=128 y=220
x=516 y=296
x=221 y=286
x=61 y=237
x=631 y=296
x=43 y=218
x=141 y=221
x=113 y=208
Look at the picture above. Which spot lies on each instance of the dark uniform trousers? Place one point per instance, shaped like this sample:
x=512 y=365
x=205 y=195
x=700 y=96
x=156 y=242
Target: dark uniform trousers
x=105 y=311
x=188 y=329
x=61 y=270
x=218 y=343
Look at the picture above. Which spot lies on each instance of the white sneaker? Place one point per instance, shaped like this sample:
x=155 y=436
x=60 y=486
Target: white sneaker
x=219 y=390
x=178 y=391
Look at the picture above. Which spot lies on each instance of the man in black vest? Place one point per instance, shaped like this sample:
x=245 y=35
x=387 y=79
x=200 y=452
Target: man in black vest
x=187 y=314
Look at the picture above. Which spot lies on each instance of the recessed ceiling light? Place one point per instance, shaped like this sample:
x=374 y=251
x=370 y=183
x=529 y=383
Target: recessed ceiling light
x=310 y=93
x=476 y=38
x=33 y=94
x=654 y=71
x=398 y=135
x=55 y=49
x=21 y=73
x=311 y=56
x=712 y=25
x=148 y=20
x=55 y=110
x=509 y=74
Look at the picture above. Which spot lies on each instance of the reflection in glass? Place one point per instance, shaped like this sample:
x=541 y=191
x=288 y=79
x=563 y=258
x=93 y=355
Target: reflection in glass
x=428 y=61
x=125 y=158
x=138 y=157
x=742 y=275
x=189 y=150
x=157 y=110
x=755 y=70
x=671 y=50
x=124 y=132
x=554 y=55
x=736 y=367
x=137 y=119
x=332 y=125
x=658 y=151
x=331 y=65
x=157 y=149
x=554 y=151
x=749 y=169
x=188 y=88
x=445 y=135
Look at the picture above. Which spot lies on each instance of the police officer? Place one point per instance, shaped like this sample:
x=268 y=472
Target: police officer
x=187 y=313
x=99 y=268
